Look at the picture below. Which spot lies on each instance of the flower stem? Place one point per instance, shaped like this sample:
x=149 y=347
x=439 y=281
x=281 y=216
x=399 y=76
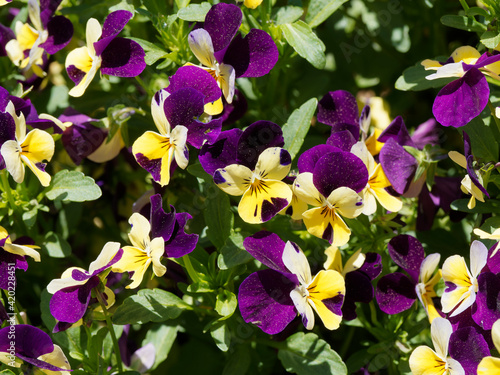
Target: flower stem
x=190 y=270
x=492 y=109
x=464 y=5
x=6 y=187
x=111 y=332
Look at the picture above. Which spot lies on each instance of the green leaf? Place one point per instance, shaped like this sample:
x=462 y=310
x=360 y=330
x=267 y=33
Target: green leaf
x=162 y=337
x=288 y=14
x=307 y=354
x=413 y=78
x=483 y=143
x=476 y=11
x=221 y=335
x=149 y=305
x=29 y=217
x=238 y=362
x=297 y=126
x=56 y=246
x=7 y=372
x=226 y=303
x=490 y=39
x=72 y=186
x=463 y=23
x=153 y=52
x=320 y=10
x=218 y=216
x=194 y=12
x=305 y=42
x=489 y=206
x=233 y=253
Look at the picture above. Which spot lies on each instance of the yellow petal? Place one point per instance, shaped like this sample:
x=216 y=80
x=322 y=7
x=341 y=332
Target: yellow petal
x=303 y=187
x=489 y=366
x=235 y=179
x=431 y=64
x=262 y=194
x=107 y=253
x=333 y=259
x=133 y=260
x=108 y=150
x=458 y=158
x=325 y=223
x=269 y=164
x=151 y=145
x=372 y=144
x=425 y=361
x=226 y=80
x=11 y=153
x=93 y=33
x=139 y=234
x=58 y=359
x=325 y=285
x=214 y=108
x=467 y=54
x=22 y=250
x=296 y=262
x=252 y=4
x=354 y=262
x=157 y=252
x=388 y=201
x=346 y=201
x=495 y=334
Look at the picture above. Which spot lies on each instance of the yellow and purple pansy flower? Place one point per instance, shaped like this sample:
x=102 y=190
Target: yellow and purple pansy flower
x=48 y=35
x=114 y=56
x=226 y=54
x=397 y=292
x=330 y=180
x=271 y=298
x=491 y=365
x=72 y=292
x=464 y=98
x=33 y=347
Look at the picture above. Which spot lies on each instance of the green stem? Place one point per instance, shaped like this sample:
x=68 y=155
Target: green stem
x=464 y=5
x=492 y=109
x=347 y=341
x=189 y=268
x=143 y=85
x=8 y=191
x=111 y=332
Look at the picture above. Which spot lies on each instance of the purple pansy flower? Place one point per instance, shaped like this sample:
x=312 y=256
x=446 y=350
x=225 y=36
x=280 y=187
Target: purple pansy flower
x=49 y=35
x=330 y=180
x=272 y=297
x=397 y=292
x=115 y=56
x=34 y=347
x=465 y=98
x=226 y=54
x=71 y=293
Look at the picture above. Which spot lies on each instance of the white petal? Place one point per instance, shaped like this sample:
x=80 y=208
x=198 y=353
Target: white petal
x=179 y=137
x=200 y=43
x=303 y=307
x=107 y=253
x=428 y=267
x=93 y=33
x=478 y=257
x=158 y=112
x=441 y=331
x=11 y=153
x=448 y=70
x=297 y=263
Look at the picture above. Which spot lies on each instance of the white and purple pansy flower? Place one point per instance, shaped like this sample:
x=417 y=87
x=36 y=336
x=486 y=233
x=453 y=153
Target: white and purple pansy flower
x=167 y=239
x=226 y=54
x=397 y=292
x=49 y=34
x=330 y=180
x=72 y=292
x=13 y=253
x=464 y=98
x=33 y=347
x=271 y=298
x=114 y=56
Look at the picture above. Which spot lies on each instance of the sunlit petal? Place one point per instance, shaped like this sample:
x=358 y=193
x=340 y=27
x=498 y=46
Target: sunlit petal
x=346 y=201
x=22 y=250
x=139 y=234
x=274 y=164
x=304 y=189
x=299 y=298
x=441 y=331
x=425 y=361
x=11 y=153
x=489 y=366
x=201 y=45
x=234 y=179
x=296 y=262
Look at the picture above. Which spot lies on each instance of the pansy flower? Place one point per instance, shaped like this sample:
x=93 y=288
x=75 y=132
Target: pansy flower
x=330 y=180
x=491 y=365
x=13 y=254
x=375 y=189
x=424 y=360
x=115 y=56
x=358 y=272
x=72 y=292
x=397 y=292
x=226 y=54
x=167 y=240
x=272 y=297
x=34 y=347
x=142 y=359
x=464 y=98
x=49 y=35
x=472 y=183
x=19 y=149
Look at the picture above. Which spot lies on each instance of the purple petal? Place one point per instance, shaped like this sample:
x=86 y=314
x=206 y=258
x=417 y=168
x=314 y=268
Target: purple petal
x=60 y=31
x=7 y=132
x=115 y=259
x=395 y=293
x=252 y=56
x=338 y=169
x=40 y=364
x=397 y=130
x=222 y=23
x=338 y=107
x=234 y=111
x=487 y=297
x=461 y=100
x=399 y=166
x=123 y=58
x=267 y=248
x=195 y=78
x=427 y=133
x=307 y=161
x=162 y=224
x=426 y=210
x=75 y=74
x=199 y=132
x=152 y=166
x=80 y=140
x=180 y=242
x=470 y=167
x=47 y=10
x=468 y=347
x=70 y=304
x=182 y=106
x=7 y=258
x=30 y=342
x=408 y=253
x=358 y=288
x=113 y=25
x=6 y=34
x=75 y=117
x=221 y=153
x=372 y=267
x=264 y=299
x=485 y=59
x=255 y=139
x=343 y=139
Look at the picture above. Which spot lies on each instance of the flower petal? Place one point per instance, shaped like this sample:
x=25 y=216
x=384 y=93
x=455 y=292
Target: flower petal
x=234 y=179
x=113 y=25
x=408 y=253
x=273 y=164
x=425 y=361
x=221 y=153
x=346 y=201
x=267 y=248
x=196 y=78
x=338 y=107
x=461 y=343
x=200 y=43
x=326 y=224
x=11 y=153
x=139 y=234
x=395 y=293
x=296 y=262
x=222 y=23
x=123 y=58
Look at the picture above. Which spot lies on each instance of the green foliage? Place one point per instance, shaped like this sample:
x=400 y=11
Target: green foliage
x=72 y=186
x=297 y=126
x=305 y=42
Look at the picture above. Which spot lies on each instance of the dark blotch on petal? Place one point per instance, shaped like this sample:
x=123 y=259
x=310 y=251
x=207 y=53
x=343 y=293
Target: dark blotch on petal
x=395 y=293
